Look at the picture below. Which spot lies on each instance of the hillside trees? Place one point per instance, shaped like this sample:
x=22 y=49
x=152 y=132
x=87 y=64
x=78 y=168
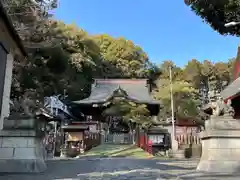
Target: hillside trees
x=122 y=58
x=194 y=85
x=64 y=57
x=184 y=95
x=30 y=20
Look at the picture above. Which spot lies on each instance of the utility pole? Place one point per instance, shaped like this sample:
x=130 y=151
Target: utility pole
x=64 y=94
x=172 y=105
x=63 y=135
x=174 y=141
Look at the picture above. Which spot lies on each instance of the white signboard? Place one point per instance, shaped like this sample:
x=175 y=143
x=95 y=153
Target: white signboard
x=93 y=128
x=156 y=139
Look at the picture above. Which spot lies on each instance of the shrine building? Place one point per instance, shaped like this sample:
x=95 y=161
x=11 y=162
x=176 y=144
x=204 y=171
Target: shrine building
x=102 y=93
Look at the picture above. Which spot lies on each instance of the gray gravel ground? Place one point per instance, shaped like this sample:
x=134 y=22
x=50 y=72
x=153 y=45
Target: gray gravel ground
x=117 y=169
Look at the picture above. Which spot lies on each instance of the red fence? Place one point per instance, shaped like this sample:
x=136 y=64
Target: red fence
x=143 y=142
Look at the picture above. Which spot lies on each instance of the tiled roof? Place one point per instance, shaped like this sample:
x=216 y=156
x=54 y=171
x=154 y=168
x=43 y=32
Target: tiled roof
x=231 y=90
x=103 y=90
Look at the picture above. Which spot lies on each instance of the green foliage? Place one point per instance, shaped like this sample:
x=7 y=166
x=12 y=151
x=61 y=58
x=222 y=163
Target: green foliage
x=184 y=95
x=64 y=57
x=218 y=12
x=128 y=59
x=188 y=84
x=131 y=112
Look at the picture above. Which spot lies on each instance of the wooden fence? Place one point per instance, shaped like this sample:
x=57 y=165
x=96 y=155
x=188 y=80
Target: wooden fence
x=118 y=138
x=143 y=142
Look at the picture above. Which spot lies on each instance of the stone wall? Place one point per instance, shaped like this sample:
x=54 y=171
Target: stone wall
x=21 y=151
x=220 y=151
x=17 y=147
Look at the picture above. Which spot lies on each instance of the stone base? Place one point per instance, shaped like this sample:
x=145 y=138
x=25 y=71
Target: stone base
x=174 y=145
x=179 y=154
x=21 y=151
x=220 y=151
x=22 y=165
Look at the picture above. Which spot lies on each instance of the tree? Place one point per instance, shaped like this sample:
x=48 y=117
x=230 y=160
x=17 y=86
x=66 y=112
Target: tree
x=184 y=96
x=30 y=19
x=217 y=13
x=133 y=114
x=192 y=73
x=193 y=86
x=122 y=58
x=231 y=67
x=164 y=70
x=61 y=57
x=223 y=75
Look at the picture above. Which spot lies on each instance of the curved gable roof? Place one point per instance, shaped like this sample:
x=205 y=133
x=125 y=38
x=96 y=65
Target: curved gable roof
x=103 y=90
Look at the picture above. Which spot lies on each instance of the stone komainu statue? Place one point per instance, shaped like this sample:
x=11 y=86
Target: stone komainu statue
x=26 y=105
x=220 y=108
x=222 y=117
x=229 y=109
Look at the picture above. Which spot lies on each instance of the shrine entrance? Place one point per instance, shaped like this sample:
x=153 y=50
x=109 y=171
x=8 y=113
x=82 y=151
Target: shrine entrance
x=116 y=131
x=118 y=138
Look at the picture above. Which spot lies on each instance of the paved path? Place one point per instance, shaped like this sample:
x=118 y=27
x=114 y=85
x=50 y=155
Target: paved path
x=113 y=169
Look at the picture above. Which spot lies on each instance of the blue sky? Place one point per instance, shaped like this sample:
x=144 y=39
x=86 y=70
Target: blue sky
x=165 y=29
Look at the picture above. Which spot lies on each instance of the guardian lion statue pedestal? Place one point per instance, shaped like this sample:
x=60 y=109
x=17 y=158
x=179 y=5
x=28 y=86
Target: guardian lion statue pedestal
x=221 y=141
x=21 y=149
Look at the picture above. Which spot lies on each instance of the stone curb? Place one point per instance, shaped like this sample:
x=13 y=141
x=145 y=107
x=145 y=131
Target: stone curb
x=205 y=175
x=116 y=157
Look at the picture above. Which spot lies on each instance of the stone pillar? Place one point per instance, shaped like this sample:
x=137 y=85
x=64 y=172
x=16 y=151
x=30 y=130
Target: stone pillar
x=220 y=146
x=4 y=50
x=21 y=146
x=5 y=109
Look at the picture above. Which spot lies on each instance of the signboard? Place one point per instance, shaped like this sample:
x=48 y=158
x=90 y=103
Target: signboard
x=93 y=128
x=180 y=130
x=156 y=139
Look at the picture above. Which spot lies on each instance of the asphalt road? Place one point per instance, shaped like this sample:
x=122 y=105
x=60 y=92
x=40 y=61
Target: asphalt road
x=114 y=169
